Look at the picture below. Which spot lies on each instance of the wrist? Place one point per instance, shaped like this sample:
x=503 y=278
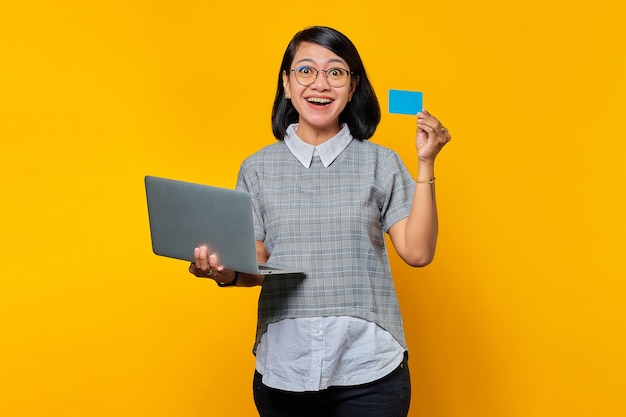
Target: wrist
x=425 y=172
x=232 y=283
x=431 y=181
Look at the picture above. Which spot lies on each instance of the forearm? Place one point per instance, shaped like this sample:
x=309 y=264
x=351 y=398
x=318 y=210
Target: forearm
x=249 y=280
x=422 y=225
x=230 y=278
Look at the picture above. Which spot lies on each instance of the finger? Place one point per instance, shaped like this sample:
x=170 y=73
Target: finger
x=214 y=263
x=194 y=270
x=201 y=258
x=435 y=135
x=202 y=261
x=425 y=117
x=432 y=131
x=445 y=133
x=433 y=127
x=429 y=120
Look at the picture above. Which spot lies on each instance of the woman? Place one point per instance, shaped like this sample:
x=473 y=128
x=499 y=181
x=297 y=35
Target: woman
x=330 y=342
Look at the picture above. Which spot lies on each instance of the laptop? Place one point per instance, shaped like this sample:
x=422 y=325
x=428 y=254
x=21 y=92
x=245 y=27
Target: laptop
x=185 y=215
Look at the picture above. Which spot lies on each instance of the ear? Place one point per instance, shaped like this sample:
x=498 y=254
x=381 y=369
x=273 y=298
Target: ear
x=286 y=85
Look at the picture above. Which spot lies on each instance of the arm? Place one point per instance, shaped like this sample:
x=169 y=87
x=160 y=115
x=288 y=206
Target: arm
x=415 y=237
x=206 y=265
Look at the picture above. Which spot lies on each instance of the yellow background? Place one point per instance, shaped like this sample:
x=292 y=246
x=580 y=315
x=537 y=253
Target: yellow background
x=522 y=313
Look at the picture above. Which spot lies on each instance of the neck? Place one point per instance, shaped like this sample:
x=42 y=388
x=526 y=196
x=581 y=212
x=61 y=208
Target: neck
x=316 y=137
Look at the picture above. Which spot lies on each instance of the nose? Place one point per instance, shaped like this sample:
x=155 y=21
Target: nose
x=318 y=83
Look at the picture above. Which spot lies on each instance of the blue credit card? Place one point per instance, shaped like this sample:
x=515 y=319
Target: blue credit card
x=405 y=102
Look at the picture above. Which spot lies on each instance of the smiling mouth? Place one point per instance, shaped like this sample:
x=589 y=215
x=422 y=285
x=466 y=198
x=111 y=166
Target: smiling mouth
x=318 y=101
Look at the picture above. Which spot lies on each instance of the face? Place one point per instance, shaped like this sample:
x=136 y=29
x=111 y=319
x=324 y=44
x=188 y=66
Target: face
x=318 y=105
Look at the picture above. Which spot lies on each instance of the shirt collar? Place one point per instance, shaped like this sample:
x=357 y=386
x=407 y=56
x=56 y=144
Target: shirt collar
x=327 y=151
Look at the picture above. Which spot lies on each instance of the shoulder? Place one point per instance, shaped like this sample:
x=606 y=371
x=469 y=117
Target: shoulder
x=380 y=153
x=267 y=153
x=257 y=165
x=383 y=163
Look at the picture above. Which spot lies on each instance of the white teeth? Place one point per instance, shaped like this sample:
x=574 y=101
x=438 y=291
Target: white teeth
x=319 y=100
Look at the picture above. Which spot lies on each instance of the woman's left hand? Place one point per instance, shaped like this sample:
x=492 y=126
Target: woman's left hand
x=431 y=136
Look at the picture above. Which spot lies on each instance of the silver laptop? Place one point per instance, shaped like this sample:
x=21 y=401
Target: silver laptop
x=184 y=215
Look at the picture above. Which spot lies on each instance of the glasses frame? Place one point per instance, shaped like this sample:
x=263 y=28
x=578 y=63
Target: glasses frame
x=317 y=73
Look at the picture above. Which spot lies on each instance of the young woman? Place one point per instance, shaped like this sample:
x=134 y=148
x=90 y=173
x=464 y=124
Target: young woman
x=330 y=342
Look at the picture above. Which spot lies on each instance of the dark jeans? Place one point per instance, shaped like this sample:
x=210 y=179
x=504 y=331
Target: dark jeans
x=387 y=397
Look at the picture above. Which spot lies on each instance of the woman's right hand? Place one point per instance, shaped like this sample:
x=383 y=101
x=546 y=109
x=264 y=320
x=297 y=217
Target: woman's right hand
x=206 y=265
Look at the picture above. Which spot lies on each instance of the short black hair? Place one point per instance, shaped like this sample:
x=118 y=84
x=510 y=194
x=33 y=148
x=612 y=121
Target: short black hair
x=362 y=113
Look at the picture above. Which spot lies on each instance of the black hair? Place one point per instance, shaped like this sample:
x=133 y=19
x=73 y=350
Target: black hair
x=362 y=113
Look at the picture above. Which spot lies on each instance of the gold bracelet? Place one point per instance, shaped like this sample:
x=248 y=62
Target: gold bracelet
x=426 y=182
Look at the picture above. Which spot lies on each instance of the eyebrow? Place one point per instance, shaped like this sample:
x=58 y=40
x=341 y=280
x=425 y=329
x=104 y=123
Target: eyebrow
x=333 y=60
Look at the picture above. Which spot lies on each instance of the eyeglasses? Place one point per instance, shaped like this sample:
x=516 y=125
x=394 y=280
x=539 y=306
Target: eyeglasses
x=336 y=77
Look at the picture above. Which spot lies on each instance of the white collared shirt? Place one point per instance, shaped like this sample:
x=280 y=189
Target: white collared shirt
x=327 y=151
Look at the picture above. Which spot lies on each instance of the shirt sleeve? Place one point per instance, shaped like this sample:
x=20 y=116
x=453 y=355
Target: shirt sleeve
x=247 y=180
x=399 y=187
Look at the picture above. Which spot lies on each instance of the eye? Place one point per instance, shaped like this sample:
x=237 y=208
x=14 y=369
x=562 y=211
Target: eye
x=305 y=70
x=334 y=72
